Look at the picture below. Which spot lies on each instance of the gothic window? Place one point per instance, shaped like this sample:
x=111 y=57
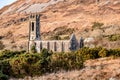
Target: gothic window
x=48 y=45
x=32 y=26
x=40 y=45
x=81 y=43
x=62 y=47
x=35 y=44
x=55 y=46
x=73 y=45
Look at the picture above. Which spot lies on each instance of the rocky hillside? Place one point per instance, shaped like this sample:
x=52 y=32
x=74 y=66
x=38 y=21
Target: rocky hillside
x=96 y=18
x=99 y=69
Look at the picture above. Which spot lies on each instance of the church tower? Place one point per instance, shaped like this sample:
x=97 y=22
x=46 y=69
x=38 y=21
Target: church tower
x=34 y=30
x=34 y=27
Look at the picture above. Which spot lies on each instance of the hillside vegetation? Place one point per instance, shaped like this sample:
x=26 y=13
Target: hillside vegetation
x=19 y=64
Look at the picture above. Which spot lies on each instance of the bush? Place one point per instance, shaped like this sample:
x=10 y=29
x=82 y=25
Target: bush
x=114 y=52
x=17 y=64
x=66 y=61
x=55 y=37
x=6 y=54
x=103 y=52
x=66 y=38
x=97 y=25
x=89 y=53
x=114 y=37
x=3 y=76
x=33 y=50
x=2 y=46
x=25 y=64
x=6 y=67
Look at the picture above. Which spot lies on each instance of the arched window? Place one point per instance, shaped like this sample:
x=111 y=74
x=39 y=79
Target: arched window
x=55 y=46
x=48 y=45
x=41 y=46
x=63 y=47
x=32 y=26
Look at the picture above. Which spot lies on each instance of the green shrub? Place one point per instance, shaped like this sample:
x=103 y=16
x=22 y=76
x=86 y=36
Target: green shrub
x=66 y=38
x=21 y=64
x=33 y=49
x=89 y=53
x=3 y=76
x=45 y=53
x=114 y=52
x=6 y=54
x=24 y=64
x=5 y=67
x=97 y=25
x=103 y=52
x=66 y=61
x=56 y=34
x=55 y=37
x=114 y=37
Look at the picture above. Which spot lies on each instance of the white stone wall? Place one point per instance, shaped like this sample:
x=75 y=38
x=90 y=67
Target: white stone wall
x=61 y=46
x=38 y=46
x=66 y=46
x=51 y=45
x=58 y=46
x=44 y=44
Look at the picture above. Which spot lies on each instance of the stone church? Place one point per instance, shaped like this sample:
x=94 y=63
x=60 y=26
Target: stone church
x=55 y=45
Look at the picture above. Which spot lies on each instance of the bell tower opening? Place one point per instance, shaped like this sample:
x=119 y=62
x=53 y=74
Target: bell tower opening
x=32 y=26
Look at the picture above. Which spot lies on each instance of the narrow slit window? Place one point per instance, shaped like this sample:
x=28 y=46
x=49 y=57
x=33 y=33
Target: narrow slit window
x=32 y=26
x=41 y=46
x=48 y=45
x=55 y=46
x=63 y=47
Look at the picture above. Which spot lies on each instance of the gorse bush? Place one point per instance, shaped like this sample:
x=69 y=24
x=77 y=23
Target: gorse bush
x=114 y=37
x=103 y=52
x=25 y=64
x=99 y=52
x=6 y=54
x=66 y=61
x=89 y=53
x=21 y=64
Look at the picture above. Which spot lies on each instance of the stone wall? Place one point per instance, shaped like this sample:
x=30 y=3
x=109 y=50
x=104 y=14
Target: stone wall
x=55 y=45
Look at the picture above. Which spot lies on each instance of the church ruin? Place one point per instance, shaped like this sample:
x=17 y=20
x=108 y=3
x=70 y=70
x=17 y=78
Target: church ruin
x=55 y=45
